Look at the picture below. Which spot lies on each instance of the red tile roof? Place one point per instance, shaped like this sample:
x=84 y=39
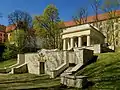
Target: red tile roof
x=91 y=19
x=10 y=27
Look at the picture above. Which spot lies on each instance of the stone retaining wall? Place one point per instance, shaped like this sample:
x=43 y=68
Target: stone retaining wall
x=74 y=81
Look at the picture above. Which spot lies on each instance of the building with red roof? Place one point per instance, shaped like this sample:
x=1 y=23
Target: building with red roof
x=2 y=33
x=91 y=19
x=102 y=25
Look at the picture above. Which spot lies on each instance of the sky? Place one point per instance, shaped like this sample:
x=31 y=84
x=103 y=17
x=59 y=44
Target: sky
x=66 y=8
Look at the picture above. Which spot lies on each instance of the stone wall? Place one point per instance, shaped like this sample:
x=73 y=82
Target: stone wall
x=87 y=55
x=75 y=56
x=20 y=60
x=97 y=48
x=80 y=56
x=32 y=61
x=52 y=61
x=55 y=62
x=20 y=69
x=74 y=81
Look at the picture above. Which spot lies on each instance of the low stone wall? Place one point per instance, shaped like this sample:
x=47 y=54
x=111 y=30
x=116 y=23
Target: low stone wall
x=52 y=60
x=20 y=60
x=97 y=48
x=32 y=61
x=20 y=69
x=74 y=81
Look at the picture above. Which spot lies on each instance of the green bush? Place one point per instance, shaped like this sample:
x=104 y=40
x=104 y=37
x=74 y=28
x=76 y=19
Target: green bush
x=10 y=52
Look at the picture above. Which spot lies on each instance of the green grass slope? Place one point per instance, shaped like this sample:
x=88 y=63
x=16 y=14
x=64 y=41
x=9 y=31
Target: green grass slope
x=105 y=73
x=7 y=63
x=27 y=81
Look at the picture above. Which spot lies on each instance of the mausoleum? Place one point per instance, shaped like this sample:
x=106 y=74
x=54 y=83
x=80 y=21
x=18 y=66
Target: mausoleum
x=82 y=36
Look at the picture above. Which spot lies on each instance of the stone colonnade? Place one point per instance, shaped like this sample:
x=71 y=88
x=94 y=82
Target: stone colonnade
x=71 y=44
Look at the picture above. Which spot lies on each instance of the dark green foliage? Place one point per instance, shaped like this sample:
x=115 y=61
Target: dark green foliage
x=10 y=52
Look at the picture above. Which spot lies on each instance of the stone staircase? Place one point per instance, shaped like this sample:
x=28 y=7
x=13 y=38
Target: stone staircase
x=71 y=69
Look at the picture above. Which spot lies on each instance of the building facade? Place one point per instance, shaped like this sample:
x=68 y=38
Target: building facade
x=2 y=33
x=83 y=36
x=109 y=26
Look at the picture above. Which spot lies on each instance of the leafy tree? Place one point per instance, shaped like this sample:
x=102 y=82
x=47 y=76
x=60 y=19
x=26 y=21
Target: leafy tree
x=48 y=27
x=10 y=51
x=18 y=38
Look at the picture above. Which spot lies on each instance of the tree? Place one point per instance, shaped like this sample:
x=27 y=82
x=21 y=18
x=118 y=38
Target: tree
x=95 y=4
x=109 y=7
x=48 y=27
x=20 y=19
x=18 y=38
x=23 y=22
x=10 y=51
x=81 y=17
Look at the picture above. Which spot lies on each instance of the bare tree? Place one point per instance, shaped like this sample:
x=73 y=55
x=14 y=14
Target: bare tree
x=109 y=7
x=81 y=17
x=20 y=19
x=95 y=4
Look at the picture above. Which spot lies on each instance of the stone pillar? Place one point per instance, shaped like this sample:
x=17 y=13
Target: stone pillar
x=88 y=40
x=79 y=41
x=64 y=44
x=72 y=43
x=68 y=43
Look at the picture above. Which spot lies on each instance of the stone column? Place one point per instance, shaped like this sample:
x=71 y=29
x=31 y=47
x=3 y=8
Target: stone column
x=88 y=40
x=72 y=43
x=64 y=44
x=68 y=43
x=79 y=41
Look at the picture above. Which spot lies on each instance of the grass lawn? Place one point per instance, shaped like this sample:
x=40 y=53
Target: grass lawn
x=105 y=73
x=7 y=63
x=27 y=81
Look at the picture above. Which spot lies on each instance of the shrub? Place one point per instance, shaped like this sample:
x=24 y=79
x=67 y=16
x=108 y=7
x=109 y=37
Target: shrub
x=10 y=52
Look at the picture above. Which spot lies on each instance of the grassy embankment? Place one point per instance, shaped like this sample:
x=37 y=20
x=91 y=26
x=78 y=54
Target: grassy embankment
x=27 y=81
x=105 y=73
x=7 y=63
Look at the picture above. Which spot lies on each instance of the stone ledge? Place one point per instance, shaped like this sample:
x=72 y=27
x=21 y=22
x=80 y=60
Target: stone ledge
x=73 y=81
